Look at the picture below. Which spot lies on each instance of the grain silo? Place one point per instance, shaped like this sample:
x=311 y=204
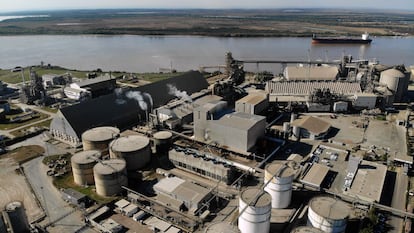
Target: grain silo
x=135 y=149
x=99 y=138
x=221 y=227
x=18 y=217
x=255 y=206
x=82 y=166
x=280 y=186
x=109 y=176
x=396 y=81
x=306 y=229
x=162 y=141
x=328 y=214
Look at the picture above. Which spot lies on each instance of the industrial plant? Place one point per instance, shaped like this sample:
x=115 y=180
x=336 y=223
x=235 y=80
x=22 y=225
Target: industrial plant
x=291 y=152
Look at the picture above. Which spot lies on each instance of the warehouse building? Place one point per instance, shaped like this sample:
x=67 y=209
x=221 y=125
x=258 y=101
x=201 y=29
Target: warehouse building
x=94 y=87
x=311 y=73
x=311 y=127
x=181 y=195
x=254 y=103
x=237 y=131
x=117 y=109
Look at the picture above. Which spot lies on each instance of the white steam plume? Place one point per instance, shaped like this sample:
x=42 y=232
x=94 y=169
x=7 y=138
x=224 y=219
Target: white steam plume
x=136 y=95
x=172 y=90
x=119 y=100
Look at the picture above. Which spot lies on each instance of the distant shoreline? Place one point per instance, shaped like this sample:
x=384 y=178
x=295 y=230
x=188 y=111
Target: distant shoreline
x=212 y=23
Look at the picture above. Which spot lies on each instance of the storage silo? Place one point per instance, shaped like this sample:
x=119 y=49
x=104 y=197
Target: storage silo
x=280 y=186
x=135 y=149
x=162 y=140
x=256 y=216
x=82 y=166
x=109 y=176
x=306 y=229
x=286 y=127
x=18 y=217
x=221 y=227
x=99 y=138
x=328 y=214
x=396 y=81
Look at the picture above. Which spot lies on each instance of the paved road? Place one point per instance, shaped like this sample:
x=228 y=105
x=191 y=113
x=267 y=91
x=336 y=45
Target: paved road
x=398 y=201
x=42 y=185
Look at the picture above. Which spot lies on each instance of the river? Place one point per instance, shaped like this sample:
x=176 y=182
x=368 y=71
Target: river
x=149 y=53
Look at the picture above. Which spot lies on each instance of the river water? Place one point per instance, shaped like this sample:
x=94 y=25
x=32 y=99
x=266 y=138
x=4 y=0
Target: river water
x=149 y=53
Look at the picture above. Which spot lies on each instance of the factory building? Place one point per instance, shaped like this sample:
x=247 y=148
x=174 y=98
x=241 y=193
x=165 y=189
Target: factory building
x=254 y=103
x=50 y=80
x=199 y=164
x=117 y=109
x=181 y=195
x=74 y=197
x=237 y=131
x=94 y=87
x=180 y=112
x=311 y=127
x=311 y=73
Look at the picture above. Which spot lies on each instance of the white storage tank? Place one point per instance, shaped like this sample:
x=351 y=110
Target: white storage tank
x=18 y=217
x=296 y=131
x=256 y=217
x=109 y=176
x=82 y=166
x=280 y=186
x=221 y=227
x=286 y=127
x=99 y=138
x=135 y=149
x=306 y=229
x=396 y=81
x=162 y=140
x=328 y=214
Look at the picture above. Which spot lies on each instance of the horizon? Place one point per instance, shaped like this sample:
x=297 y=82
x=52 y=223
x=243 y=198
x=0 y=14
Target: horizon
x=207 y=9
x=11 y=6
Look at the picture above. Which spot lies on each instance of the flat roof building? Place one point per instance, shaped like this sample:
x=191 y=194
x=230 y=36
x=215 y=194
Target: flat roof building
x=315 y=176
x=191 y=196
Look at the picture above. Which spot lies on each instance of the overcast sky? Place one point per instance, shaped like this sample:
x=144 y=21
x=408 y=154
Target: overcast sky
x=20 y=5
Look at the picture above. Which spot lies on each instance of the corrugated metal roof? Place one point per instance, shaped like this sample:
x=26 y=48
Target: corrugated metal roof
x=306 y=88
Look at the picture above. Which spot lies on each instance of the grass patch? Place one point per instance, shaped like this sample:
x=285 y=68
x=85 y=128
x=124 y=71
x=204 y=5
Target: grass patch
x=66 y=181
x=381 y=117
x=25 y=153
x=49 y=109
x=22 y=132
x=7 y=126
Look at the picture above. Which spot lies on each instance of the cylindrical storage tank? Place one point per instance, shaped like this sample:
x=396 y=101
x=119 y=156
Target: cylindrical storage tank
x=396 y=81
x=221 y=227
x=280 y=186
x=82 y=166
x=162 y=140
x=109 y=176
x=286 y=127
x=296 y=131
x=99 y=138
x=306 y=229
x=328 y=214
x=256 y=217
x=293 y=117
x=135 y=149
x=17 y=216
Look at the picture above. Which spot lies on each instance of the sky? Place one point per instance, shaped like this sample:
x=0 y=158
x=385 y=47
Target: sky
x=22 y=5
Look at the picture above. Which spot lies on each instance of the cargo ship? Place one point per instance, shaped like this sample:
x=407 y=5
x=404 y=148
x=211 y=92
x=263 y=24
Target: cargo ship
x=341 y=40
